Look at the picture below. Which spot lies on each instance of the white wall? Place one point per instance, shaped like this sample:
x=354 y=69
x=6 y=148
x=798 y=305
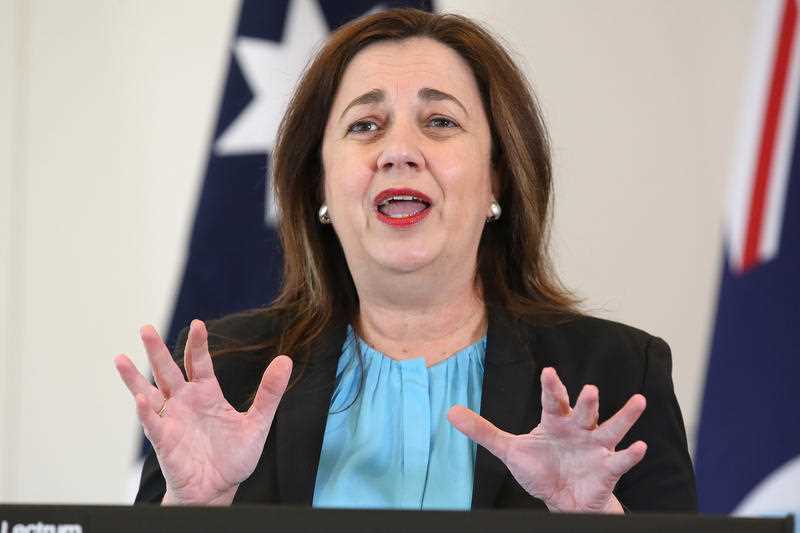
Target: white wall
x=111 y=108
x=117 y=117
x=641 y=98
x=8 y=85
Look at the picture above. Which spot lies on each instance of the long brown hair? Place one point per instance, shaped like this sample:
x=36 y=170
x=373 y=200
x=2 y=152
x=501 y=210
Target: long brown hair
x=513 y=264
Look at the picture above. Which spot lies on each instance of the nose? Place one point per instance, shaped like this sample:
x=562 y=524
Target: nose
x=400 y=151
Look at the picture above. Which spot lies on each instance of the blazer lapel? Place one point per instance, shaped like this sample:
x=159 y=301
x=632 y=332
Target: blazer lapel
x=300 y=421
x=511 y=397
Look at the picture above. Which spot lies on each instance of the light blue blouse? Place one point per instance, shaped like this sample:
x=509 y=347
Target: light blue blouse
x=391 y=446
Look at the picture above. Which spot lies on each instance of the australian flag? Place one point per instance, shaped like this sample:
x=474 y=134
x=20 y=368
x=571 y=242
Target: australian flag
x=234 y=257
x=748 y=453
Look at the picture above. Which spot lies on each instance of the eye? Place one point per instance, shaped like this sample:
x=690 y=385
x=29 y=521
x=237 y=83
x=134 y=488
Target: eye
x=442 y=122
x=362 y=126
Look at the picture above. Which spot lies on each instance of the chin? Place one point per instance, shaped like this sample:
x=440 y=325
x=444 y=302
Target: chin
x=406 y=261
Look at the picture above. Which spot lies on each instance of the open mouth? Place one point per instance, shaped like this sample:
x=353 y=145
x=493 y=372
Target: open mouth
x=402 y=207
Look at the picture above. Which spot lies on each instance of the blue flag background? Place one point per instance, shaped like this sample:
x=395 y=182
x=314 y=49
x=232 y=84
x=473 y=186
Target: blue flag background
x=750 y=423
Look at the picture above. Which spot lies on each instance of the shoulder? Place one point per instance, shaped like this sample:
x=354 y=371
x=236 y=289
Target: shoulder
x=618 y=358
x=592 y=335
x=243 y=328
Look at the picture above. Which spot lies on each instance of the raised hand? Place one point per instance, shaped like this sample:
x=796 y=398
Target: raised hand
x=205 y=447
x=567 y=461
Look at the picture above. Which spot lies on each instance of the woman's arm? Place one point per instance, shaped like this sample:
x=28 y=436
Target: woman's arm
x=664 y=479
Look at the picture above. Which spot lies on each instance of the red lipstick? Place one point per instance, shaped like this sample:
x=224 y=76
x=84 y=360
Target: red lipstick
x=416 y=206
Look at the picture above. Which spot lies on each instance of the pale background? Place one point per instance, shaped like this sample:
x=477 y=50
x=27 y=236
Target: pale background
x=106 y=110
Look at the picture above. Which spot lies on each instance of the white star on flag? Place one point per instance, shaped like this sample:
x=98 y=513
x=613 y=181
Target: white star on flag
x=272 y=70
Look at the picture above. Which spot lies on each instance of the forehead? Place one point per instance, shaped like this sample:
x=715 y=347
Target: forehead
x=397 y=67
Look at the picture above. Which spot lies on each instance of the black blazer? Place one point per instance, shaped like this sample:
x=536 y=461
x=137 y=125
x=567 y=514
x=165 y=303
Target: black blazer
x=619 y=359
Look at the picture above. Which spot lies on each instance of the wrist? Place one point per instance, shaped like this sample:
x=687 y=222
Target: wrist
x=222 y=499
x=613 y=506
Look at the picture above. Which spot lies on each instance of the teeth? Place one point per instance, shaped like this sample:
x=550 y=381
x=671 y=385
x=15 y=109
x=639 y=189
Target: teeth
x=404 y=198
x=402 y=216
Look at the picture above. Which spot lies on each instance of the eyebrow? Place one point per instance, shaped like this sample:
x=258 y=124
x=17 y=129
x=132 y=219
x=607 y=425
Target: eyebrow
x=375 y=96
x=428 y=94
x=434 y=95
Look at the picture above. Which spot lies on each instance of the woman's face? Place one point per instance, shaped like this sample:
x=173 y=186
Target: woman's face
x=406 y=158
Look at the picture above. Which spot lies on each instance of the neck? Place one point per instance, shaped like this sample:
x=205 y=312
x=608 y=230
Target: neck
x=432 y=324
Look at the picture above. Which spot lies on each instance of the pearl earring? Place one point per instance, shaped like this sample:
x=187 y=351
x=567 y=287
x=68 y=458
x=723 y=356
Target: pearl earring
x=324 y=218
x=495 y=209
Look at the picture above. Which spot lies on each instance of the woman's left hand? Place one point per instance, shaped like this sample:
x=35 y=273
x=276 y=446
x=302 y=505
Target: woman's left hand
x=567 y=461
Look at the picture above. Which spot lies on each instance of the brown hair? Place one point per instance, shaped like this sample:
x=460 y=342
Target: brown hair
x=513 y=264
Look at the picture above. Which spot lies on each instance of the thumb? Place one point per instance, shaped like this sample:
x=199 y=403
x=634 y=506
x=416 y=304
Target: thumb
x=480 y=430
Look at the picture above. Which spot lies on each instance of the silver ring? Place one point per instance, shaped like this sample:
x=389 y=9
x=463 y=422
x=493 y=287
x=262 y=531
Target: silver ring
x=163 y=410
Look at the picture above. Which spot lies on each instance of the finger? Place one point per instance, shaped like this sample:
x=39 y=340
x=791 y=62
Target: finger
x=196 y=356
x=480 y=430
x=623 y=460
x=555 y=400
x=166 y=373
x=615 y=428
x=587 y=407
x=151 y=422
x=136 y=382
x=270 y=391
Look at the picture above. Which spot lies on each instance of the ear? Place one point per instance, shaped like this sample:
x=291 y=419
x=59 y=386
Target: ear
x=496 y=184
x=321 y=189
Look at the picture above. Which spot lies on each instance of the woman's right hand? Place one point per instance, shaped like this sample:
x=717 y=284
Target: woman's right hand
x=205 y=447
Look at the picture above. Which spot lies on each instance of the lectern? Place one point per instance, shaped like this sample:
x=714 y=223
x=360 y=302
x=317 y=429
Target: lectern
x=265 y=519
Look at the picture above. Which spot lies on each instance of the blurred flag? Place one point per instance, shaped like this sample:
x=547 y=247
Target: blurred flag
x=748 y=453
x=234 y=257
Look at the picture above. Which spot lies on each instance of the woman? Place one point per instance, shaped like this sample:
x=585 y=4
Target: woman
x=413 y=177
